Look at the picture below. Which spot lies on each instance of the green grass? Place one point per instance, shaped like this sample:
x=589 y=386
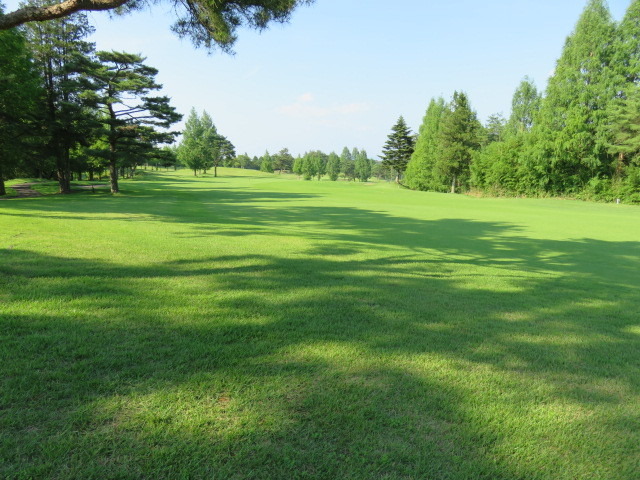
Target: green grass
x=259 y=327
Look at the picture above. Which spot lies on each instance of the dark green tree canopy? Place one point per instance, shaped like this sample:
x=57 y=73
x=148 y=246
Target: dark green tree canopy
x=208 y=23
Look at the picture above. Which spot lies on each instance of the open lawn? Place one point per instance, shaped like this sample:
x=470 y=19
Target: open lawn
x=260 y=327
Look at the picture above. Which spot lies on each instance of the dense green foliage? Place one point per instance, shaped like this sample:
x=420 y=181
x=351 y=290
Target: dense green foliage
x=398 y=148
x=579 y=139
x=258 y=327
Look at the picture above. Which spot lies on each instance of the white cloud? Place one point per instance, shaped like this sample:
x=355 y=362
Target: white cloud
x=306 y=106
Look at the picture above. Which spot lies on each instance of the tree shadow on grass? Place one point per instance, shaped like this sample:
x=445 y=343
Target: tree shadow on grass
x=327 y=365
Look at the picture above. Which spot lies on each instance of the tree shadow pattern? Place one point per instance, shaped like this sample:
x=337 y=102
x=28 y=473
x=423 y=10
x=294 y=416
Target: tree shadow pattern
x=324 y=363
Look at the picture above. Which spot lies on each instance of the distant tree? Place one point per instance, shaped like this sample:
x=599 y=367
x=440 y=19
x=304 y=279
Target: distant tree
x=524 y=107
x=209 y=143
x=398 y=148
x=421 y=173
x=362 y=166
x=333 y=166
x=266 y=163
x=494 y=130
x=282 y=160
x=347 y=166
x=298 y=165
x=225 y=152
x=190 y=152
x=458 y=140
x=243 y=161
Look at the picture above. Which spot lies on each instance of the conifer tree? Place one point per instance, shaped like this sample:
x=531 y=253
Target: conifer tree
x=266 y=163
x=62 y=55
x=362 y=166
x=398 y=148
x=20 y=93
x=525 y=105
x=458 y=139
x=421 y=173
x=569 y=145
x=123 y=83
x=190 y=152
x=347 y=167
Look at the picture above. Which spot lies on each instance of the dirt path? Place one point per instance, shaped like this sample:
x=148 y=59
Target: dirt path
x=23 y=190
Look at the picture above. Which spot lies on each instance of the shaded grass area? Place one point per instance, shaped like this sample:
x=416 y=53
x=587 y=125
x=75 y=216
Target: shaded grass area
x=255 y=327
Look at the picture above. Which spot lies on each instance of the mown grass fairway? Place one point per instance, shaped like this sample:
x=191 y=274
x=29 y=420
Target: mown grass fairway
x=257 y=327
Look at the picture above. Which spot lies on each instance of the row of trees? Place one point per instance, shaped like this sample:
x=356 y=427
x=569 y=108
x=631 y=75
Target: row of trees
x=350 y=164
x=66 y=108
x=580 y=138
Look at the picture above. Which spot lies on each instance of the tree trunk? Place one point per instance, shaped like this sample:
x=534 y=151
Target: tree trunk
x=215 y=170
x=453 y=185
x=3 y=190
x=398 y=178
x=113 y=174
x=195 y=172
x=91 y=175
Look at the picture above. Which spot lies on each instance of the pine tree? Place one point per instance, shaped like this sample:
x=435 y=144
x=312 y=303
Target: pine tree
x=209 y=144
x=123 y=84
x=63 y=56
x=421 y=174
x=625 y=133
x=333 y=166
x=398 y=148
x=458 y=139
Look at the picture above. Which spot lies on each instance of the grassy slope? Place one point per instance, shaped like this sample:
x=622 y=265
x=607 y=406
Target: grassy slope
x=253 y=326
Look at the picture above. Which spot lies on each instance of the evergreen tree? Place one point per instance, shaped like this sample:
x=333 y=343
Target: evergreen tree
x=525 y=105
x=421 y=173
x=19 y=96
x=347 y=166
x=297 y=165
x=494 y=130
x=283 y=160
x=63 y=57
x=266 y=163
x=333 y=166
x=225 y=152
x=209 y=143
x=123 y=82
x=625 y=133
x=362 y=166
x=571 y=129
x=458 y=140
x=398 y=149
x=190 y=152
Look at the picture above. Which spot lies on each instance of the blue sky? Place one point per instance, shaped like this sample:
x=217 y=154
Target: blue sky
x=343 y=71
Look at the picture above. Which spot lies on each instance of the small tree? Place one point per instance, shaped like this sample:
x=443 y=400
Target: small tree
x=362 y=166
x=397 y=151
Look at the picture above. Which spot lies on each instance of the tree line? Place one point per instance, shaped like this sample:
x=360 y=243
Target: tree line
x=68 y=109
x=580 y=138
